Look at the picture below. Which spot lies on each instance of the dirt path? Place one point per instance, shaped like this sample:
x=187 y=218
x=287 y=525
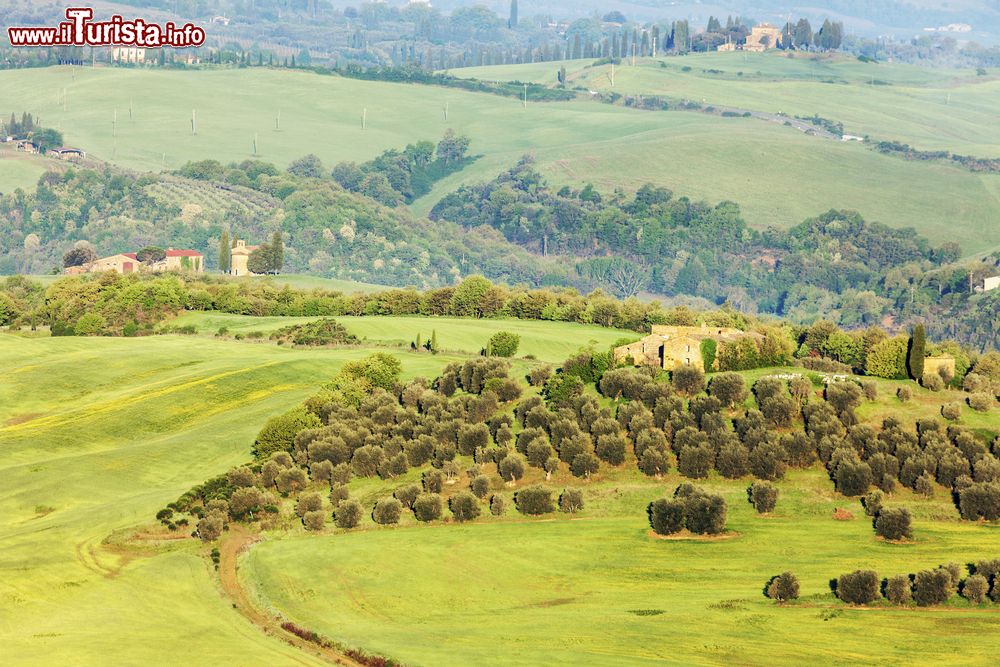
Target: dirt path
x=237 y=542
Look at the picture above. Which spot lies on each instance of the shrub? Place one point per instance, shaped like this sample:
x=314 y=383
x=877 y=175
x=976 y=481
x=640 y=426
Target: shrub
x=763 y=496
x=870 y=390
x=308 y=502
x=585 y=464
x=729 y=388
x=314 y=520
x=975 y=588
x=571 y=501
x=695 y=462
x=951 y=411
x=858 y=587
x=387 y=511
x=924 y=485
x=611 y=448
x=933 y=382
x=497 y=505
x=464 y=506
x=210 y=528
x=654 y=462
x=480 y=486
x=705 y=514
x=534 y=500
x=932 y=587
x=688 y=380
x=427 y=507
x=872 y=502
x=733 y=460
x=981 y=402
x=980 y=501
x=853 y=478
x=666 y=516
x=767 y=461
x=347 y=514
x=538 y=376
x=783 y=587
x=898 y=589
x=904 y=394
x=291 y=480
x=511 y=467
x=279 y=432
x=503 y=344
x=894 y=523
x=433 y=481
x=338 y=494
x=406 y=495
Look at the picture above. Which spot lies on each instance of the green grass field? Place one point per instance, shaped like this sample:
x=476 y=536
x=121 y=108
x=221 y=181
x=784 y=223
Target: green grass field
x=95 y=436
x=778 y=175
x=552 y=342
x=18 y=170
x=930 y=109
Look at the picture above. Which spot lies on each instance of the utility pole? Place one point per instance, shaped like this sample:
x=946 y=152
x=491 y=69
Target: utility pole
x=525 y=96
x=364 y=119
x=277 y=122
x=194 y=123
x=446 y=112
x=255 y=144
x=114 y=124
x=130 y=109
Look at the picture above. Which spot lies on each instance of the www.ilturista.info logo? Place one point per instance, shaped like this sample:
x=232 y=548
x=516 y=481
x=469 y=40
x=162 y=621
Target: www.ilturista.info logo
x=80 y=30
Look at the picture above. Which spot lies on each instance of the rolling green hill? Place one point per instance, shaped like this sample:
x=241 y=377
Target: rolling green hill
x=778 y=175
x=930 y=109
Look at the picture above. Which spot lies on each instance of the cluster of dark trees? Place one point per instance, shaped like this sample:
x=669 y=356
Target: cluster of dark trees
x=318 y=333
x=28 y=128
x=397 y=177
x=907 y=152
x=690 y=508
x=925 y=588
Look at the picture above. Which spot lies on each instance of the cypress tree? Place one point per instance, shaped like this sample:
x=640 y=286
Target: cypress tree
x=225 y=252
x=918 y=347
x=434 y=341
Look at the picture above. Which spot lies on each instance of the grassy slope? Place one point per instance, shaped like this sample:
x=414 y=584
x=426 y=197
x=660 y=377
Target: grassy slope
x=561 y=591
x=96 y=435
x=931 y=109
x=777 y=174
x=18 y=170
x=548 y=341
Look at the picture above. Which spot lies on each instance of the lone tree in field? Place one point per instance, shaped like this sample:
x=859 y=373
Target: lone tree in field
x=858 y=587
x=783 y=587
x=894 y=523
x=504 y=344
x=763 y=496
x=917 y=352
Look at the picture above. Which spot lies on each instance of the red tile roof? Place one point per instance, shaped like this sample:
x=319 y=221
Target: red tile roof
x=130 y=255
x=183 y=253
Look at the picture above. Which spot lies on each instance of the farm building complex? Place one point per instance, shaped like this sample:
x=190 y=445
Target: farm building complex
x=671 y=346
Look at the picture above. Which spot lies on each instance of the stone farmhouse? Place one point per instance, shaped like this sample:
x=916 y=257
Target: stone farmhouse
x=670 y=346
x=128 y=262
x=761 y=38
